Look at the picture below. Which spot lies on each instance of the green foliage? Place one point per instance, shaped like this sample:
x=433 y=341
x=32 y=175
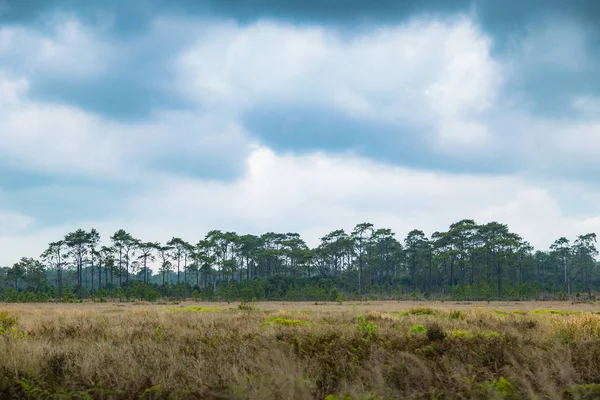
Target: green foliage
x=461 y=333
x=495 y=264
x=159 y=333
x=554 y=312
x=366 y=328
x=499 y=388
x=419 y=311
x=493 y=335
x=590 y=391
x=8 y=322
x=335 y=295
x=338 y=397
x=285 y=321
x=138 y=290
x=417 y=329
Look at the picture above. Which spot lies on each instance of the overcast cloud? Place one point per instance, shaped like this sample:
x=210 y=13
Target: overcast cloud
x=310 y=116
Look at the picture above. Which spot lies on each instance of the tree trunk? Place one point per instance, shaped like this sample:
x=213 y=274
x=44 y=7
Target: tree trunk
x=92 y=272
x=120 y=268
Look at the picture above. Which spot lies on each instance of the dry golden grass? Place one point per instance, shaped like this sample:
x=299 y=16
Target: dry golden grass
x=300 y=351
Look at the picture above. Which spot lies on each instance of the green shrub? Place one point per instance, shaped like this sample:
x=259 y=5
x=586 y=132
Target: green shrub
x=417 y=329
x=335 y=295
x=555 y=312
x=367 y=329
x=461 y=333
x=501 y=388
x=8 y=322
x=286 y=322
x=588 y=391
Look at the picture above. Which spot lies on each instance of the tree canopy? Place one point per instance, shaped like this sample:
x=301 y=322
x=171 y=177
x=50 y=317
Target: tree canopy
x=467 y=261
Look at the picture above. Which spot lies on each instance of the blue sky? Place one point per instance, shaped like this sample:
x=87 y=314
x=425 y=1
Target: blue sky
x=174 y=118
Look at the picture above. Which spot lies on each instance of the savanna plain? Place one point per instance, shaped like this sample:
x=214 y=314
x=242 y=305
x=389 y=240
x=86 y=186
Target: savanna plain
x=285 y=350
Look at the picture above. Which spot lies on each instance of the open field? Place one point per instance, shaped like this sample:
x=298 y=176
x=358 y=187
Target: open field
x=278 y=350
x=321 y=307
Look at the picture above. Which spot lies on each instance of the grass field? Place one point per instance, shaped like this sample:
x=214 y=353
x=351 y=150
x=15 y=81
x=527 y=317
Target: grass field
x=278 y=350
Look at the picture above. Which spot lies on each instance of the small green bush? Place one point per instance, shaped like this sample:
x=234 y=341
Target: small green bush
x=461 y=333
x=8 y=322
x=501 y=388
x=367 y=329
x=417 y=329
x=555 y=312
x=286 y=322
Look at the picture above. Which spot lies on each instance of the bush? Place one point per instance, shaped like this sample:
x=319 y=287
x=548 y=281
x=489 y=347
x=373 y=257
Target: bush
x=367 y=329
x=8 y=322
x=417 y=329
x=286 y=322
x=501 y=388
x=335 y=295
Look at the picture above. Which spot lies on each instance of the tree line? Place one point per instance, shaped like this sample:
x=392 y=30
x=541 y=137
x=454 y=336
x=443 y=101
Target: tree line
x=467 y=261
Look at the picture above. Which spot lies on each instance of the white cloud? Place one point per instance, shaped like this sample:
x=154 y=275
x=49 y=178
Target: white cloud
x=317 y=193
x=62 y=139
x=423 y=72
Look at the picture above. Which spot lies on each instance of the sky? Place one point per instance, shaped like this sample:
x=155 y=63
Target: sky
x=175 y=118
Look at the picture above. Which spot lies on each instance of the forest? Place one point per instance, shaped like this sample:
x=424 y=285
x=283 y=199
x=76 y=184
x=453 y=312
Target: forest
x=467 y=262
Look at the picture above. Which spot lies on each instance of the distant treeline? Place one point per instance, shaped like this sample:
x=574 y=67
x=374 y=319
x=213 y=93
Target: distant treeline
x=466 y=262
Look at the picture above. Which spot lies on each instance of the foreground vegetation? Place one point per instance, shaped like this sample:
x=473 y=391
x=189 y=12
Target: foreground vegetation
x=323 y=351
